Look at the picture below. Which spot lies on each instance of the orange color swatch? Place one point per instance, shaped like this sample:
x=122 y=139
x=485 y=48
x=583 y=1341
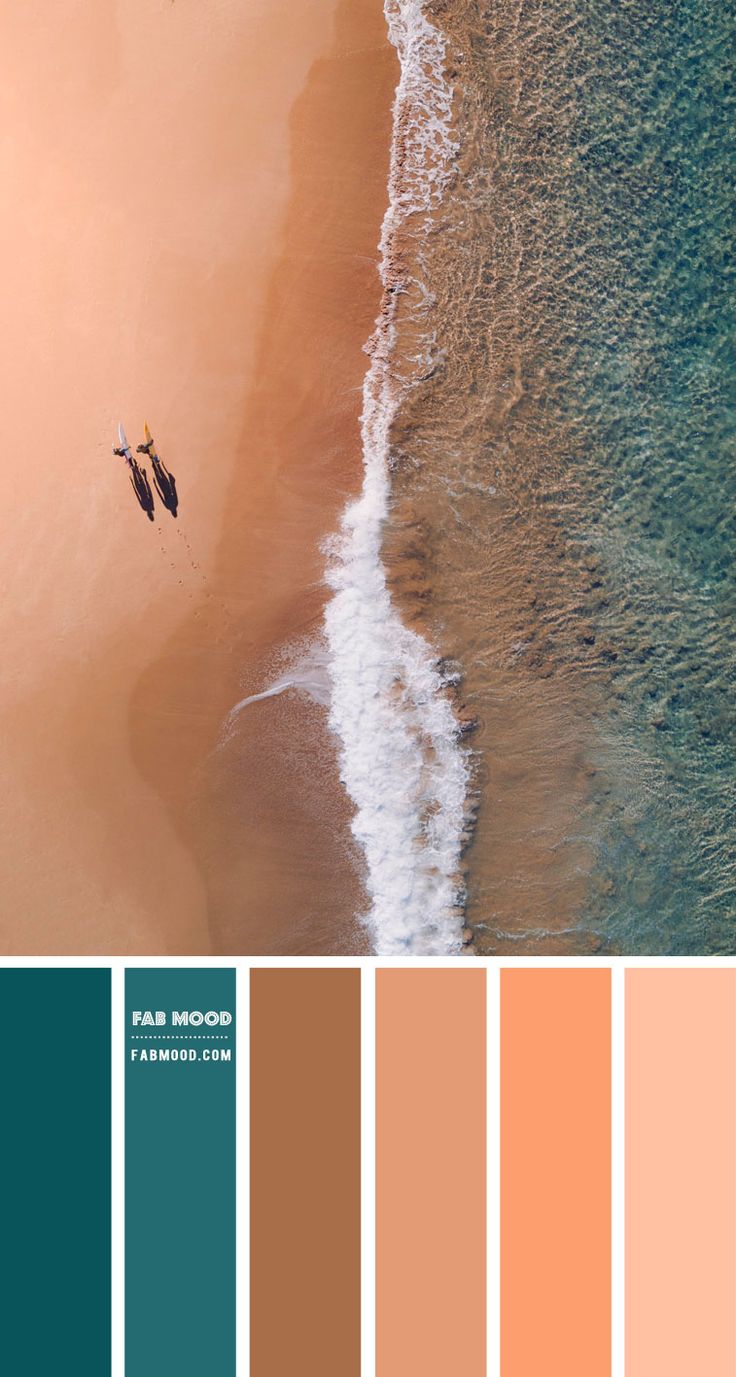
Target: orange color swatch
x=680 y=1172
x=430 y=1173
x=556 y=1173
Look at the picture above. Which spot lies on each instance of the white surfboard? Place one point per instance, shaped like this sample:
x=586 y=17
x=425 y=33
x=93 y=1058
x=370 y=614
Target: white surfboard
x=123 y=440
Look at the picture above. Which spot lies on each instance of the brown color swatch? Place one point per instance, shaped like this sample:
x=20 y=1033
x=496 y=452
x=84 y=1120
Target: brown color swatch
x=430 y=1173
x=680 y=1172
x=555 y=1173
x=305 y=1172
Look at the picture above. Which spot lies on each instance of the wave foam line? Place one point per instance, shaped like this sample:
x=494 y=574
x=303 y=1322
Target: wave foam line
x=400 y=756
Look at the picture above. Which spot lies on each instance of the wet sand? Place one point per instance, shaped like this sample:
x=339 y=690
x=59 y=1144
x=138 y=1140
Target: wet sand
x=194 y=202
x=532 y=776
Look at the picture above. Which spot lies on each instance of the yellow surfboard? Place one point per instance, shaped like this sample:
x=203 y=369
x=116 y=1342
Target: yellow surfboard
x=149 y=440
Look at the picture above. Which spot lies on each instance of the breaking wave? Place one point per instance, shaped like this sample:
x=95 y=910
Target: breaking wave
x=401 y=758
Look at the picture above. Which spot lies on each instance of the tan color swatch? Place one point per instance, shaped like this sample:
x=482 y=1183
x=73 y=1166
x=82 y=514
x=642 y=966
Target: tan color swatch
x=305 y=1172
x=430 y=1173
x=555 y=1173
x=680 y=1172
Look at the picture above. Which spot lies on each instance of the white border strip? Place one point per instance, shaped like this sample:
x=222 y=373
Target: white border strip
x=382 y=963
x=493 y=1169
x=117 y=1168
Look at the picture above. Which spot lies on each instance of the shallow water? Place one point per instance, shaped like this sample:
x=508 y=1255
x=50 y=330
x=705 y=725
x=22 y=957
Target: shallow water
x=563 y=483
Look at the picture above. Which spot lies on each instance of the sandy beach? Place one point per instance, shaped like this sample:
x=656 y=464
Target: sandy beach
x=193 y=204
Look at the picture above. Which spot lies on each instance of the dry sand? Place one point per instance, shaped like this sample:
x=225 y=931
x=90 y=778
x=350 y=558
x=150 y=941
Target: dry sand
x=193 y=201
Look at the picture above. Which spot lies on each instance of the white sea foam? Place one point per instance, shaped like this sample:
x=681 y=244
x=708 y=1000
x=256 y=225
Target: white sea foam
x=401 y=759
x=307 y=673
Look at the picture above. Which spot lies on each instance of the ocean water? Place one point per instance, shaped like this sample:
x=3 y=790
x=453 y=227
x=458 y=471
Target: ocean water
x=545 y=538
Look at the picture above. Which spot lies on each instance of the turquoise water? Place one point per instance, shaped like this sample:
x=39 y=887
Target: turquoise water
x=655 y=396
x=571 y=447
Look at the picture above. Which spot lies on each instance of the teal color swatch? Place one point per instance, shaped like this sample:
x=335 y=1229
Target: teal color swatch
x=180 y=1172
x=55 y=1171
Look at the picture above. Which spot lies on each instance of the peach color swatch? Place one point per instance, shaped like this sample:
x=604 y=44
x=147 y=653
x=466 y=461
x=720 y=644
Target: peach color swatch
x=430 y=1173
x=555 y=1173
x=680 y=1172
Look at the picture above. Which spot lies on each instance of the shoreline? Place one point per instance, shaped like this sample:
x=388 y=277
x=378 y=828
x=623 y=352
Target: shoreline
x=389 y=706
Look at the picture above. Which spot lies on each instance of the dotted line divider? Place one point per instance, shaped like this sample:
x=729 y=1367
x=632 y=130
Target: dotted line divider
x=181 y=1037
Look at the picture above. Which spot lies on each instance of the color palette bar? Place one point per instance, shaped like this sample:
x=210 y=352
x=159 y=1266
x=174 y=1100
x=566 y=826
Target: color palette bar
x=660 y=1125
x=680 y=1172
x=55 y=1075
x=180 y=1172
x=430 y=1173
x=305 y=1172
x=555 y=1173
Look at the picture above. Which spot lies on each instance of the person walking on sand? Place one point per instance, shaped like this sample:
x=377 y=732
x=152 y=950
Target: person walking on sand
x=165 y=482
x=123 y=449
x=148 y=446
x=138 y=476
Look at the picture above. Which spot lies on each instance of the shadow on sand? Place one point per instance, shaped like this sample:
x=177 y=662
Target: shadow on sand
x=166 y=487
x=142 y=488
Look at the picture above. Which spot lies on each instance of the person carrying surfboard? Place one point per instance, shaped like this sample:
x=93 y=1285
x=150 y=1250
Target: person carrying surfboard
x=148 y=446
x=138 y=476
x=164 y=481
x=123 y=449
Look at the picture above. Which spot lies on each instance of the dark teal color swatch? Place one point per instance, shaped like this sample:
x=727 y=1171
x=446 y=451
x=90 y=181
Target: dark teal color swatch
x=179 y=1173
x=55 y=1171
